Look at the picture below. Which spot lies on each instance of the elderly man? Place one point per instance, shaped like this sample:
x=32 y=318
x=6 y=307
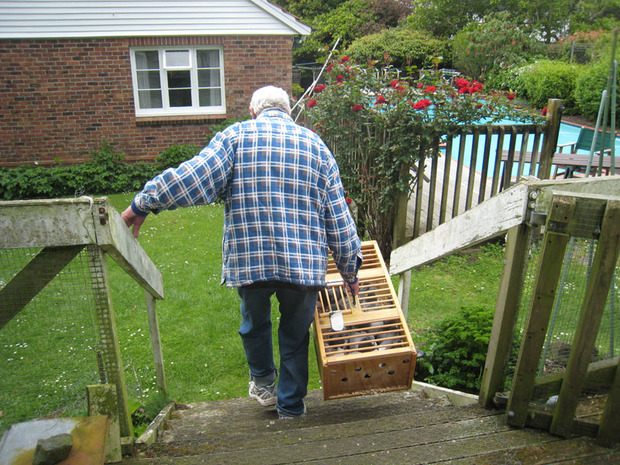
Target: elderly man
x=284 y=210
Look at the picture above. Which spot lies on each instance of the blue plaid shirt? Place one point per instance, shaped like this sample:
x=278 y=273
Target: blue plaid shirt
x=284 y=202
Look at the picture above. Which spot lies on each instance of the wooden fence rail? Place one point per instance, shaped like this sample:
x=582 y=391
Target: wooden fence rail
x=477 y=163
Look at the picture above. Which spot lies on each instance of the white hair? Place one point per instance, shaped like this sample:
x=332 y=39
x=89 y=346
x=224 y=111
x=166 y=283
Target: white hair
x=270 y=97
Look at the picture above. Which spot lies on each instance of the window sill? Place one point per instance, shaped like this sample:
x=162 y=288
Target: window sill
x=175 y=120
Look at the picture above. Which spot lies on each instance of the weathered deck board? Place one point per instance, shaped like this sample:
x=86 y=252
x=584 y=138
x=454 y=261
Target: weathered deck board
x=395 y=428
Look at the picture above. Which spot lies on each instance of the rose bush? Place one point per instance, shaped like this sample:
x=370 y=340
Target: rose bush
x=381 y=126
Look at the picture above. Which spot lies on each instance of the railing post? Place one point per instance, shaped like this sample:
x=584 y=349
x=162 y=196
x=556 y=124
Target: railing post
x=550 y=141
x=106 y=323
x=545 y=288
x=400 y=220
x=506 y=312
x=158 y=358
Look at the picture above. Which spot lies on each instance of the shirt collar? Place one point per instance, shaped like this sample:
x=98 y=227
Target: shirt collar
x=274 y=113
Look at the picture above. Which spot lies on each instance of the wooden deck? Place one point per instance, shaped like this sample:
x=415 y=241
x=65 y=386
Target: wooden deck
x=403 y=427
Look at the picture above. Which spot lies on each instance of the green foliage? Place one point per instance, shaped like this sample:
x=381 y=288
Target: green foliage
x=444 y=18
x=379 y=125
x=594 y=15
x=174 y=155
x=105 y=173
x=143 y=415
x=345 y=22
x=589 y=88
x=402 y=48
x=506 y=79
x=308 y=9
x=348 y=22
x=456 y=350
x=546 y=79
x=495 y=43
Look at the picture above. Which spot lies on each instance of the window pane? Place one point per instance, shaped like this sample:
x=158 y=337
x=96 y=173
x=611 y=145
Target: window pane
x=147 y=60
x=150 y=99
x=180 y=98
x=208 y=58
x=208 y=78
x=177 y=58
x=210 y=97
x=178 y=79
x=148 y=80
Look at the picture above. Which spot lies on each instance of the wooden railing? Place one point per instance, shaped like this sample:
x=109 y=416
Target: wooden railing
x=567 y=341
x=477 y=163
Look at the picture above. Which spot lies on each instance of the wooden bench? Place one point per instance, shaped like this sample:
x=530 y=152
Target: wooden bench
x=584 y=143
x=571 y=163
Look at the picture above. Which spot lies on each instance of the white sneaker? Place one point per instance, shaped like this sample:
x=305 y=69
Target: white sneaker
x=265 y=395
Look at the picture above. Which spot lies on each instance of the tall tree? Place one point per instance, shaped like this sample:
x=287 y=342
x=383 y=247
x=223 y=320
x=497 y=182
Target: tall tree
x=444 y=18
x=309 y=9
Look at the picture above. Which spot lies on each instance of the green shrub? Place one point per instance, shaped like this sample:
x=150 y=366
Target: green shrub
x=506 y=79
x=402 y=48
x=456 y=350
x=548 y=79
x=589 y=88
x=494 y=44
x=174 y=155
x=106 y=173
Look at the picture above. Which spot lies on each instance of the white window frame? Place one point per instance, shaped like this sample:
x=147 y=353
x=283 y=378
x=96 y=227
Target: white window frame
x=166 y=109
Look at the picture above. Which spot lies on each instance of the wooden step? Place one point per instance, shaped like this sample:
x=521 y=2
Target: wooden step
x=399 y=427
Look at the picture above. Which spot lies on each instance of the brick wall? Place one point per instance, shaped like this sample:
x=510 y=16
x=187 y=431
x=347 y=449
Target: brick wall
x=60 y=99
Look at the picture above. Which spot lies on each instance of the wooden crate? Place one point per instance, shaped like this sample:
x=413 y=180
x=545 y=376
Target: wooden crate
x=374 y=352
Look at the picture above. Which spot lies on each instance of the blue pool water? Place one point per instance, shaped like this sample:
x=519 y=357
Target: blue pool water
x=568 y=133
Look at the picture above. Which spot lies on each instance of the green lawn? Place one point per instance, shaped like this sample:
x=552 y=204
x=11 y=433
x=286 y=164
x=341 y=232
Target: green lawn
x=199 y=318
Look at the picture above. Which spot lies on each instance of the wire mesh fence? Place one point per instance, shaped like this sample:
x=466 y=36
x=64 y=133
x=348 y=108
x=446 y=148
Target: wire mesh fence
x=54 y=347
x=50 y=350
x=58 y=330
x=577 y=266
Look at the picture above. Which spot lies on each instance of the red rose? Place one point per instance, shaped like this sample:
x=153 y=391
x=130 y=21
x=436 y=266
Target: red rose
x=357 y=107
x=320 y=88
x=421 y=104
x=420 y=85
x=340 y=78
x=380 y=100
x=460 y=83
x=312 y=103
x=348 y=200
x=511 y=96
x=544 y=111
x=430 y=89
x=394 y=83
x=344 y=59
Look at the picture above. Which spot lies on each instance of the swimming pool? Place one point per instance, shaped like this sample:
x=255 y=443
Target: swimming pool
x=568 y=133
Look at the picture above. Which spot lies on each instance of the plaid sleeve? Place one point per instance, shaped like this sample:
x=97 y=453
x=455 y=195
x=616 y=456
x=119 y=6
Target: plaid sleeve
x=342 y=236
x=198 y=181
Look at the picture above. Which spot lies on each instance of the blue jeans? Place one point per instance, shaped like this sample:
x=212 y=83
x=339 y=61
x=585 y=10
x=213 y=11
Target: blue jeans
x=296 y=314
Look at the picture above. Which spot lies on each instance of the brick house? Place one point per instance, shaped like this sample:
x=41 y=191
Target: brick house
x=141 y=75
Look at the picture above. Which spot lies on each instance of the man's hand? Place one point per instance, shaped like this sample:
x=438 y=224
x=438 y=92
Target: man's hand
x=353 y=288
x=131 y=219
